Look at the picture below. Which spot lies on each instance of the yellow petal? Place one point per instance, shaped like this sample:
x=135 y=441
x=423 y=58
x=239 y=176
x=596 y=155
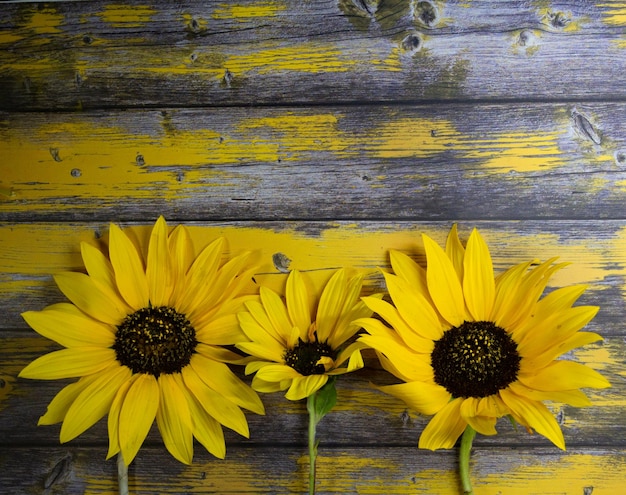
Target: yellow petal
x=206 y=429
x=224 y=330
x=221 y=379
x=69 y=363
x=137 y=414
x=93 y=402
x=220 y=354
x=577 y=340
x=158 y=269
x=414 y=308
x=506 y=304
x=181 y=258
x=564 y=375
x=353 y=354
x=410 y=335
x=269 y=387
x=455 y=251
x=443 y=284
x=574 y=398
x=478 y=281
x=258 y=327
x=330 y=304
x=274 y=353
x=67 y=325
x=129 y=270
x=297 y=298
x=277 y=373
x=445 y=428
x=423 y=397
x=101 y=273
x=85 y=294
x=63 y=400
x=485 y=425
x=277 y=313
x=174 y=419
x=409 y=271
x=215 y=404
x=113 y=420
x=202 y=272
x=535 y=415
x=303 y=386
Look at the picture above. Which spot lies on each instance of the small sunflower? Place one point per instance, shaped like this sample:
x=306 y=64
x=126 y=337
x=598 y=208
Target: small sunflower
x=145 y=337
x=472 y=348
x=297 y=345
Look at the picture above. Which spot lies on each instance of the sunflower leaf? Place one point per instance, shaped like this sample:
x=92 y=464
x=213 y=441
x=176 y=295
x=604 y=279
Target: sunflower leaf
x=324 y=401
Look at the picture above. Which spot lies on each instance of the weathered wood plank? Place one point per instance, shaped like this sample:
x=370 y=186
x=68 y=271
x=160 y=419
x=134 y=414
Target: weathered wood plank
x=105 y=54
x=283 y=470
x=31 y=253
x=512 y=161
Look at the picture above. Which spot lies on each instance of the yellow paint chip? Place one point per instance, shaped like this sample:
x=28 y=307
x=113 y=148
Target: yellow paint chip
x=615 y=13
x=243 y=12
x=127 y=16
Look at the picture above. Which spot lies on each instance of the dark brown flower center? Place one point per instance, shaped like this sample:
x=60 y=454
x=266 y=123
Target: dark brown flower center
x=475 y=359
x=155 y=340
x=304 y=357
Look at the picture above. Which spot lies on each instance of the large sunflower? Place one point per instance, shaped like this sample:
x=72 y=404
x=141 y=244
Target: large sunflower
x=298 y=343
x=145 y=337
x=472 y=348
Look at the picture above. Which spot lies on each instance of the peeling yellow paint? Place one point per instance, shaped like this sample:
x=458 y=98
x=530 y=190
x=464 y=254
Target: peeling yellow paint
x=46 y=21
x=518 y=151
x=8 y=37
x=127 y=16
x=305 y=57
x=242 y=12
x=615 y=13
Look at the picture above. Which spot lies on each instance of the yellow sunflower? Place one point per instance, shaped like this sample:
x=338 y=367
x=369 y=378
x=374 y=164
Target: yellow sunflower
x=297 y=344
x=145 y=338
x=472 y=348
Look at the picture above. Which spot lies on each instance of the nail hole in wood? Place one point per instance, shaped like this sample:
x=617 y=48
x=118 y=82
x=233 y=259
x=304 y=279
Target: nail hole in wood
x=426 y=12
x=139 y=160
x=54 y=153
x=412 y=43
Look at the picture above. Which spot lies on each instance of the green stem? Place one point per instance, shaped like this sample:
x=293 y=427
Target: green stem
x=464 y=457
x=122 y=475
x=313 y=420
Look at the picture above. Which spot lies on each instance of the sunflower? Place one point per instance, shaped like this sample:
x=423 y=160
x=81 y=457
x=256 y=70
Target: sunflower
x=145 y=339
x=297 y=344
x=471 y=348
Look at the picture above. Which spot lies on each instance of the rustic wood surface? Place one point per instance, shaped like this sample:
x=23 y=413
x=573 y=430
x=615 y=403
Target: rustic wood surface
x=329 y=131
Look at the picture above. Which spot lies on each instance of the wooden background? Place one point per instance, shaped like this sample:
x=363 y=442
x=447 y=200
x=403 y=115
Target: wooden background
x=329 y=131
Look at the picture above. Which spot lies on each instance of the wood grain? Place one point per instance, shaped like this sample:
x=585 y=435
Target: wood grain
x=512 y=161
x=58 y=55
x=327 y=132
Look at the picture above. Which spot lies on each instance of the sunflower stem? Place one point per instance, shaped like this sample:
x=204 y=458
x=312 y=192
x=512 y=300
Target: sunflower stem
x=464 y=457
x=122 y=475
x=310 y=405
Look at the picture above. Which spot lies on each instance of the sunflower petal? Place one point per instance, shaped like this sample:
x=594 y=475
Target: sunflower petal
x=93 y=402
x=67 y=325
x=206 y=429
x=444 y=428
x=57 y=409
x=224 y=330
x=564 y=375
x=330 y=304
x=425 y=398
x=478 y=281
x=485 y=425
x=221 y=409
x=574 y=398
x=303 y=386
x=269 y=387
x=182 y=256
x=277 y=373
x=158 y=270
x=85 y=294
x=258 y=350
x=535 y=415
x=297 y=298
x=220 y=378
x=414 y=308
x=443 y=283
x=137 y=414
x=69 y=363
x=129 y=270
x=113 y=420
x=455 y=251
x=579 y=339
x=277 y=313
x=174 y=419
x=409 y=271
